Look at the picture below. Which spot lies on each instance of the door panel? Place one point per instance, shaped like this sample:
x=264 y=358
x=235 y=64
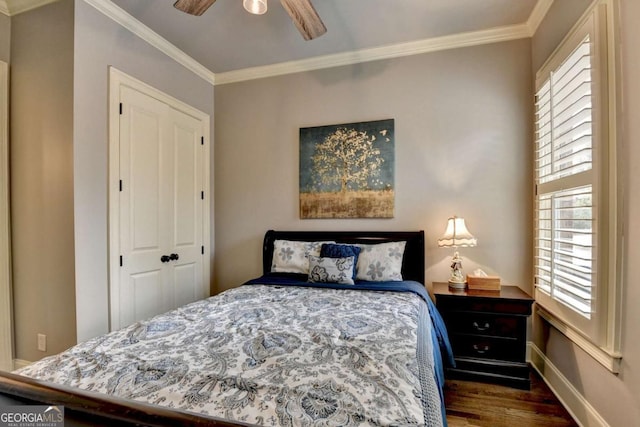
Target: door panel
x=188 y=283
x=188 y=170
x=147 y=294
x=145 y=177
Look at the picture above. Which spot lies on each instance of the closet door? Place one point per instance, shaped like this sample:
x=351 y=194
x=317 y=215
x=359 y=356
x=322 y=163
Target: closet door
x=161 y=221
x=187 y=222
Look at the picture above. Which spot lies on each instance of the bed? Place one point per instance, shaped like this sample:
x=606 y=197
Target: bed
x=335 y=344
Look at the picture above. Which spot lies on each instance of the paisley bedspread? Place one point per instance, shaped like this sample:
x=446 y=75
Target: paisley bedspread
x=271 y=355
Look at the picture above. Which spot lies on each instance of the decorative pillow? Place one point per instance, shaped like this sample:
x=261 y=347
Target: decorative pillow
x=381 y=262
x=337 y=250
x=334 y=270
x=290 y=256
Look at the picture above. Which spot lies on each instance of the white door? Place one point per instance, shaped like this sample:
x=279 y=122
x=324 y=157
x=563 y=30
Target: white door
x=187 y=231
x=161 y=207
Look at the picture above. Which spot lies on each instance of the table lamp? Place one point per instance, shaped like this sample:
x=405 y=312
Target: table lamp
x=456 y=235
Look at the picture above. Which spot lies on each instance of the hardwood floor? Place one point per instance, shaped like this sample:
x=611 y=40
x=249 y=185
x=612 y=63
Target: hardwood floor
x=471 y=404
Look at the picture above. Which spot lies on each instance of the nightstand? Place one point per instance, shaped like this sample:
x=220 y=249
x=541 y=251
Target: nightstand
x=488 y=333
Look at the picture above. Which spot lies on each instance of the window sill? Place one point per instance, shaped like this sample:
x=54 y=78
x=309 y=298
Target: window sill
x=608 y=359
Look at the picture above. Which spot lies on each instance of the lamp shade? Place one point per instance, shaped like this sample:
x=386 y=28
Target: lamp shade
x=257 y=7
x=457 y=234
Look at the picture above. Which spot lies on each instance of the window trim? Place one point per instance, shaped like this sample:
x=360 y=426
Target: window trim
x=605 y=348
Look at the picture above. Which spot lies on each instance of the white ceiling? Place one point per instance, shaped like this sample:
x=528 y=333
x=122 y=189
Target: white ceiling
x=228 y=38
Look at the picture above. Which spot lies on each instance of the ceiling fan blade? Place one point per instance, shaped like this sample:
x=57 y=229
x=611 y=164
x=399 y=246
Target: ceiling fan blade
x=305 y=17
x=193 y=7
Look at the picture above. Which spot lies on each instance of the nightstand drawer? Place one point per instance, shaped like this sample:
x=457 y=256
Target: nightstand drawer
x=514 y=374
x=486 y=305
x=485 y=324
x=485 y=347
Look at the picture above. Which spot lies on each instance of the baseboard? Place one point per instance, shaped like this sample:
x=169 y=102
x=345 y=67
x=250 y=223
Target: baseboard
x=19 y=363
x=575 y=403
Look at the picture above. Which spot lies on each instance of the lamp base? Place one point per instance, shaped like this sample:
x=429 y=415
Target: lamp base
x=457 y=285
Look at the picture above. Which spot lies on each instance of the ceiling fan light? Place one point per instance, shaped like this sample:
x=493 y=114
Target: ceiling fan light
x=257 y=7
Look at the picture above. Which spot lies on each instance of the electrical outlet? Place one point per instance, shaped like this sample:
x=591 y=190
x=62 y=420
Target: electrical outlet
x=42 y=342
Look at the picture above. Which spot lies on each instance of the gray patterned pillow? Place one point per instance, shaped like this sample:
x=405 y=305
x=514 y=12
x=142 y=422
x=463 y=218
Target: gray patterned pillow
x=334 y=270
x=381 y=262
x=290 y=256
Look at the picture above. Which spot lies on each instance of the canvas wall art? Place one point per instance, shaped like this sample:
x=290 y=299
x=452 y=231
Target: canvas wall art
x=347 y=170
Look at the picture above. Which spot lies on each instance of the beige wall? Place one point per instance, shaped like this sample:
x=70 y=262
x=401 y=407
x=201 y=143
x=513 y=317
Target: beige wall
x=100 y=43
x=462 y=126
x=558 y=20
x=59 y=164
x=5 y=37
x=42 y=178
x=615 y=397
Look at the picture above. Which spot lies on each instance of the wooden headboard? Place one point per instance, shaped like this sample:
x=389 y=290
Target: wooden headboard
x=412 y=263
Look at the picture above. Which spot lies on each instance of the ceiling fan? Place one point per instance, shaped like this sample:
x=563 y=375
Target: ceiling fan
x=302 y=13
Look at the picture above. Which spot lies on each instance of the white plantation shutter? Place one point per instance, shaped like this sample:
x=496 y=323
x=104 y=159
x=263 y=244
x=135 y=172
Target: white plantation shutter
x=565 y=212
x=577 y=233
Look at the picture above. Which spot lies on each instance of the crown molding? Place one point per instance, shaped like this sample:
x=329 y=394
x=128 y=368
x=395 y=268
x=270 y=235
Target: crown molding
x=14 y=7
x=117 y=14
x=474 y=38
x=494 y=35
x=537 y=15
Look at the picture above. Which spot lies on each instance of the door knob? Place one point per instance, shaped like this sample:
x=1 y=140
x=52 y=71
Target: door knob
x=174 y=257
x=165 y=258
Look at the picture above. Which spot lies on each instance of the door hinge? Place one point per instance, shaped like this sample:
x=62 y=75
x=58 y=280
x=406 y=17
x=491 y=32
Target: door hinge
x=120 y=185
x=202 y=195
x=120 y=260
x=202 y=250
x=121 y=108
x=202 y=140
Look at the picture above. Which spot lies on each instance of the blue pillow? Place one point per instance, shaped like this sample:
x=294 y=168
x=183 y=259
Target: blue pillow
x=330 y=250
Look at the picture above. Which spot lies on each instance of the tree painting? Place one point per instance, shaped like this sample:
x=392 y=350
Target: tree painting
x=351 y=154
x=347 y=171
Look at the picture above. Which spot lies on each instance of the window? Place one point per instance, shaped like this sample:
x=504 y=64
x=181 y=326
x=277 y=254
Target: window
x=575 y=198
x=564 y=178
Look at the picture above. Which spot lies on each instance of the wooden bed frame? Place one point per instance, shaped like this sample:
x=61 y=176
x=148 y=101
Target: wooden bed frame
x=413 y=264
x=86 y=408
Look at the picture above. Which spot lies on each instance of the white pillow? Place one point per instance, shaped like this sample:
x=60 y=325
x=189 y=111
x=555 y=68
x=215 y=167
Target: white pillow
x=290 y=256
x=331 y=270
x=381 y=262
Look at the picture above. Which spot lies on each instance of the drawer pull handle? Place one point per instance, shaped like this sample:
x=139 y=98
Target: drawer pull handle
x=481 y=328
x=481 y=349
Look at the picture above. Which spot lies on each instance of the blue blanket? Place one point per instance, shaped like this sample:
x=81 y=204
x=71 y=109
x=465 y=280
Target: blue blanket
x=439 y=337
